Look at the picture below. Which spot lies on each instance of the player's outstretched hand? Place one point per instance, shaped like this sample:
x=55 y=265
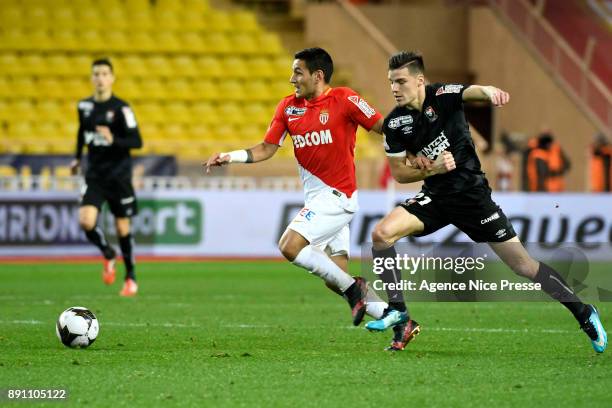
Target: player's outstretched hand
x=497 y=96
x=216 y=160
x=75 y=167
x=444 y=163
x=422 y=163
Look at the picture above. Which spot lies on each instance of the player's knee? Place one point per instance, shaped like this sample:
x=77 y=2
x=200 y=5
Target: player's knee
x=123 y=228
x=87 y=223
x=289 y=250
x=382 y=235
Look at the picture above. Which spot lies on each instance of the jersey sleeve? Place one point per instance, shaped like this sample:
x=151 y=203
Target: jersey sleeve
x=360 y=111
x=278 y=128
x=131 y=134
x=450 y=96
x=391 y=142
x=80 y=137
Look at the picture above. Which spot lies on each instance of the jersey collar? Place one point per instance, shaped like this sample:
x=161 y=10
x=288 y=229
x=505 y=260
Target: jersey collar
x=319 y=98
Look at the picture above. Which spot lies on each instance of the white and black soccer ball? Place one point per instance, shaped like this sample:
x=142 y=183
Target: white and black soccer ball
x=77 y=327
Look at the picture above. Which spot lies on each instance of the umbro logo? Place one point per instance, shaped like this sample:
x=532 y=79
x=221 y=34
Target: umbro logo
x=501 y=233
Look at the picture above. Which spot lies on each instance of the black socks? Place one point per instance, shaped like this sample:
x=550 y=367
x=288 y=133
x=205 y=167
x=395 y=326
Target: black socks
x=127 y=249
x=554 y=284
x=96 y=237
x=390 y=275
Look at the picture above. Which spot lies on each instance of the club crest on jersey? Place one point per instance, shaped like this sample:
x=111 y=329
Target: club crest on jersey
x=324 y=117
x=431 y=114
x=294 y=111
x=110 y=115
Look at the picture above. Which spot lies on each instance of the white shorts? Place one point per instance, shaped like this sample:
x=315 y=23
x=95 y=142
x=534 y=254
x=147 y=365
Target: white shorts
x=324 y=221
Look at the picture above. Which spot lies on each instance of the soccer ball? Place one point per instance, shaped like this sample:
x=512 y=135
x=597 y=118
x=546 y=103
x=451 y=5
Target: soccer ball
x=77 y=327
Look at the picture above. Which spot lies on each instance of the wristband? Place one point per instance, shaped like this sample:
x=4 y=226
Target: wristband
x=237 y=156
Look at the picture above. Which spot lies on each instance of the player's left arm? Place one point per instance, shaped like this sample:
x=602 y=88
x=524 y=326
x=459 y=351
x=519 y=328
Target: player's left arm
x=378 y=126
x=496 y=96
x=131 y=139
x=404 y=172
x=359 y=111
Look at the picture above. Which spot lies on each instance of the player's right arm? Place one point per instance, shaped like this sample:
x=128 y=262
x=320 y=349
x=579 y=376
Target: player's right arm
x=262 y=151
x=404 y=172
x=76 y=162
x=496 y=96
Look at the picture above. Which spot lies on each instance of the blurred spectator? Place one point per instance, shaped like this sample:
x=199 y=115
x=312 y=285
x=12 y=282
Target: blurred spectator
x=530 y=145
x=547 y=164
x=601 y=171
x=511 y=145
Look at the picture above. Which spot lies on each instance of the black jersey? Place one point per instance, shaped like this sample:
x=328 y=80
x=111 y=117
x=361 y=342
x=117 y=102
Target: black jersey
x=107 y=161
x=440 y=126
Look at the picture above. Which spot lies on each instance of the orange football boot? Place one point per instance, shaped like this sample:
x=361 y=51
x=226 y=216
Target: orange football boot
x=108 y=271
x=130 y=288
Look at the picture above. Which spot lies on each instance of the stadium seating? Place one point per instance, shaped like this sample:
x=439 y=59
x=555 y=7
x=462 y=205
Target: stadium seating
x=198 y=78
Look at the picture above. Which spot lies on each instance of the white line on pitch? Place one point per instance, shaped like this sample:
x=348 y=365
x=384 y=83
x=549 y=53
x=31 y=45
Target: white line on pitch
x=432 y=328
x=38 y=322
x=267 y=326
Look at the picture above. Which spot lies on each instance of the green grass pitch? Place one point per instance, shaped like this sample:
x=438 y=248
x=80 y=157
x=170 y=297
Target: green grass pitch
x=268 y=334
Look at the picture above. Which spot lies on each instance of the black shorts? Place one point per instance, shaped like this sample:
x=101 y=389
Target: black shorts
x=472 y=211
x=118 y=193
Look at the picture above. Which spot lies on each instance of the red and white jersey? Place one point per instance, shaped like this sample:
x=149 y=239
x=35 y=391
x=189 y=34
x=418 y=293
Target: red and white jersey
x=323 y=132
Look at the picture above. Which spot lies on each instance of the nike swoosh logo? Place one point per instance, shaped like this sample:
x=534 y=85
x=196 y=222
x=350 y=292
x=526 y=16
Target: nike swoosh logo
x=292 y=119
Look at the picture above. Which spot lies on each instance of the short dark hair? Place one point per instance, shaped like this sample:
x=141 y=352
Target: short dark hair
x=103 y=61
x=411 y=60
x=315 y=59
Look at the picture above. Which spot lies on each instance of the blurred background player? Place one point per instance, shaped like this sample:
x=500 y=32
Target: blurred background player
x=429 y=121
x=547 y=164
x=322 y=122
x=108 y=127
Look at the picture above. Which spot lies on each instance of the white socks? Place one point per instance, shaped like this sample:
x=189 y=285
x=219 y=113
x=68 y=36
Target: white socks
x=317 y=262
x=375 y=306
